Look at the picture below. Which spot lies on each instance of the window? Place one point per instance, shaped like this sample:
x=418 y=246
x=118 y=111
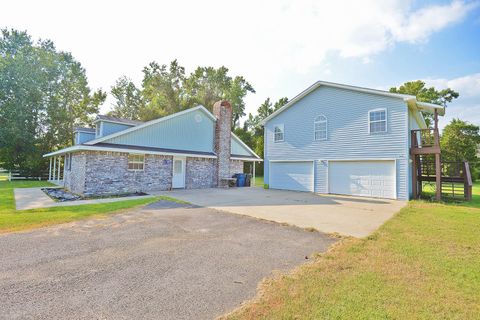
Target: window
x=136 y=162
x=98 y=127
x=320 y=128
x=377 y=121
x=278 y=133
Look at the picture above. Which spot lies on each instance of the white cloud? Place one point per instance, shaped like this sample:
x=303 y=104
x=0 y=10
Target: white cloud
x=467 y=106
x=266 y=41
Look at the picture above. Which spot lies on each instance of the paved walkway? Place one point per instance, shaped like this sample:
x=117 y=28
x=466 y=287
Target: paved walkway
x=34 y=198
x=163 y=261
x=351 y=216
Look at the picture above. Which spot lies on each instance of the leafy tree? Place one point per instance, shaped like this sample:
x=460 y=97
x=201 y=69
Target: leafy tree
x=206 y=85
x=163 y=90
x=460 y=142
x=424 y=94
x=43 y=95
x=128 y=100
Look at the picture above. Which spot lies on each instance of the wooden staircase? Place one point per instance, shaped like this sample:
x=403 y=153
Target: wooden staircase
x=452 y=180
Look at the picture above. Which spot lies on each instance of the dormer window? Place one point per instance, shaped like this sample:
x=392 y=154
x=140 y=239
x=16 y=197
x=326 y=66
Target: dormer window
x=98 y=130
x=278 y=133
x=377 y=121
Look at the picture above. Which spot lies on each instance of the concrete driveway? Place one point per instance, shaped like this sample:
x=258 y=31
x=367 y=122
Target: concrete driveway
x=351 y=216
x=165 y=261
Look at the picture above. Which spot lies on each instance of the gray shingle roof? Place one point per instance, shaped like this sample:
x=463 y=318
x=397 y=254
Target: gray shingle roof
x=84 y=129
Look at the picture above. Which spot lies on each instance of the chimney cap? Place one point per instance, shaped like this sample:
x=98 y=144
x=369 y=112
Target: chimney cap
x=223 y=103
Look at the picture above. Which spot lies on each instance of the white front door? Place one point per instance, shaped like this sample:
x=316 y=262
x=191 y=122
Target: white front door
x=178 y=179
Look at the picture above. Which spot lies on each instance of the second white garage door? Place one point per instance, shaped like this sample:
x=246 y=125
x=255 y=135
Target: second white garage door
x=362 y=178
x=294 y=175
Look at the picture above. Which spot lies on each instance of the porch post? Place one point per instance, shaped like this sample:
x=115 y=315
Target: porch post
x=253 y=182
x=54 y=167
x=59 y=161
x=50 y=170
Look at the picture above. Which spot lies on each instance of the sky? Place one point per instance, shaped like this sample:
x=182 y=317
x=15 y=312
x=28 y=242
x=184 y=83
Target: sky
x=280 y=46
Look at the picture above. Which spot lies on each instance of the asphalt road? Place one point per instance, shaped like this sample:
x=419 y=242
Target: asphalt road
x=157 y=262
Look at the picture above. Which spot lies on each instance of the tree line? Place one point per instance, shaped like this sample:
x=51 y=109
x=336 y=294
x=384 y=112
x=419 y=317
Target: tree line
x=44 y=94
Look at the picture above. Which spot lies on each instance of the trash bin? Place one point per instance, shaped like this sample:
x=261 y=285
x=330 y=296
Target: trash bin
x=240 y=180
x=248 y=178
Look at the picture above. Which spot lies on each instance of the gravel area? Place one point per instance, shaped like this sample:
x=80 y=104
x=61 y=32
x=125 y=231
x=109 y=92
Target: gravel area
x=164 y=261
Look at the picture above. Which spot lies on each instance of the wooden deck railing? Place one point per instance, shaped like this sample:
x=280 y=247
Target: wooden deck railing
x=425 y=141
x=422 y=138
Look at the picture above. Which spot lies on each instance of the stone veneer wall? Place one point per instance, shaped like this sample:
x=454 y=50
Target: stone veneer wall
x=236 y=166
x=74 y=178
x=103 y=173
x=200 y=173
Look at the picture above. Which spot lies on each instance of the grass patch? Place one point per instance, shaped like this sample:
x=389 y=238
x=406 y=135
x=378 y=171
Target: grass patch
x=12 y=220
x=259 y=181
x=424 y=263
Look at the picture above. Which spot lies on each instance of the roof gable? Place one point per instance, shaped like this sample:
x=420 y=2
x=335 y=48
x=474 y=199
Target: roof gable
x=318 y=84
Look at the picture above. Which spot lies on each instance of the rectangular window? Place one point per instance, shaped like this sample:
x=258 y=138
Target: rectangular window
x=278 y=133
x=377 y=121
x=136 y=162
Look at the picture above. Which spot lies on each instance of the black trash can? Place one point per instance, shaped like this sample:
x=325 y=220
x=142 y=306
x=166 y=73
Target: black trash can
x=248 y=180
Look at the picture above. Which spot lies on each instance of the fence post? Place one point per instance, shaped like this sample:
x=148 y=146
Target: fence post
x=9 y=175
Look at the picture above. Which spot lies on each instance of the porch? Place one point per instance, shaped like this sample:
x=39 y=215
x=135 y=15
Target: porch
x=450 y=180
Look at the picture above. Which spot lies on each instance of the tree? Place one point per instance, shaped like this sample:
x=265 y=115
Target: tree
x=163 y=90
x=128 y=100
x=460 y=142
x=43 y=94
x=424 y=94
x=206 y=85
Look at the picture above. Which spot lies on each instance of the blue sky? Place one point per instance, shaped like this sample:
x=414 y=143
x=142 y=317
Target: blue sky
x=280 y=46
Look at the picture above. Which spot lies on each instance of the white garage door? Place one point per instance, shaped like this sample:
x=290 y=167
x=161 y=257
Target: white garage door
x=292 y=175
x=362 y=178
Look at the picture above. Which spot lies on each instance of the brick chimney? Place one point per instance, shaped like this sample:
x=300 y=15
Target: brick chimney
x=222 y=110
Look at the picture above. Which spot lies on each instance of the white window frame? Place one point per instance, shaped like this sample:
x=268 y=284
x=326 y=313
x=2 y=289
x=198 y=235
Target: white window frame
x=375 y=121
x=282 y=129
x=136 y=162
x=315 y=122
x=98 y=129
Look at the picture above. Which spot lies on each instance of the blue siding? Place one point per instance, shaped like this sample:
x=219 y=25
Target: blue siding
x=348 y=136
x=193 y=131
x=412 y=125
x=110 y=127
x=84 y=137
x=238 y=149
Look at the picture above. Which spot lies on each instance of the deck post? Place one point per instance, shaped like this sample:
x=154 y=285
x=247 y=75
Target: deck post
x=50 y=170
x=414 y=177
x=438 y=177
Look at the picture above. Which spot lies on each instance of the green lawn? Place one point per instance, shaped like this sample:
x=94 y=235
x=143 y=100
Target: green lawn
x=259 y=181
x=12 y=220
x=424 y=263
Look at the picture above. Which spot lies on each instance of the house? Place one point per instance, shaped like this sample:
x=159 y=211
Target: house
x=341 y=139
x=189 y=149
